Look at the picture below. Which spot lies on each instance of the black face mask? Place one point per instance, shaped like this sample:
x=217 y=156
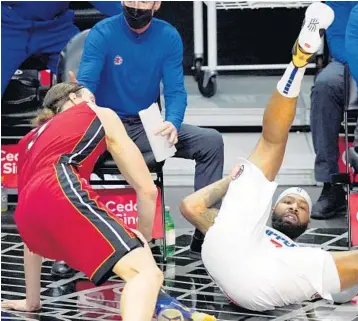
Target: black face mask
x=137 y=18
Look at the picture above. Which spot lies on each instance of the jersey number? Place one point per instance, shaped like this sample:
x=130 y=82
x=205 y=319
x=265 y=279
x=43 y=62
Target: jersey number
x=39 y=132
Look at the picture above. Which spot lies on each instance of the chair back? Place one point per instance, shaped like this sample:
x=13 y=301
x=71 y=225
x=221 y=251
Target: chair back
x=70 y=57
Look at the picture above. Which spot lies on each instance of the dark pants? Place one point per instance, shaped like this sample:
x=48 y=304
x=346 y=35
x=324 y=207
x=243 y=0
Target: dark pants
x=21 y=39
x=327 y=107
x=205 y=146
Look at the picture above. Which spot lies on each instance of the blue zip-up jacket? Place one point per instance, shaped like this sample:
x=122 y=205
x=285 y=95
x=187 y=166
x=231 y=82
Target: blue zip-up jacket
x=48 y=10
x=352 y=43
x=124 y=70
x=342 y=35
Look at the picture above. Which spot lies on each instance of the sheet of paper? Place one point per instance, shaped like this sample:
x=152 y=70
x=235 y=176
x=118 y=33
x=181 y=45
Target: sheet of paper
x=152 y=120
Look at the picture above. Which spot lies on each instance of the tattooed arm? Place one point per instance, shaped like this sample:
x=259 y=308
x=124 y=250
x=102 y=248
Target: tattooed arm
x=198 y=208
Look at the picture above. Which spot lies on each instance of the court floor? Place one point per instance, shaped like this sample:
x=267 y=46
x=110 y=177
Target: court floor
x=185 y=278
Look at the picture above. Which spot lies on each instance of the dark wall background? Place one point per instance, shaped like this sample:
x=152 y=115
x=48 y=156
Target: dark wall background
x=262 y=36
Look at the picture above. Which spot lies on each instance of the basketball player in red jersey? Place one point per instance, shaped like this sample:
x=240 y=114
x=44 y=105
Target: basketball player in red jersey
x=55 y=163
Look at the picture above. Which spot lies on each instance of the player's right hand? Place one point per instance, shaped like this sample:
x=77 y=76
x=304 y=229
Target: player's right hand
x=20 y=305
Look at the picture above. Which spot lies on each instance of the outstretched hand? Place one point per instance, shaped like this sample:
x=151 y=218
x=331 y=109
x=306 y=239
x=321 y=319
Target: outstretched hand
x=20 y=305
x=73 y=78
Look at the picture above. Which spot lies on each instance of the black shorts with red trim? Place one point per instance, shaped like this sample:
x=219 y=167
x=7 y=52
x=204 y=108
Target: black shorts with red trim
x=71 y=224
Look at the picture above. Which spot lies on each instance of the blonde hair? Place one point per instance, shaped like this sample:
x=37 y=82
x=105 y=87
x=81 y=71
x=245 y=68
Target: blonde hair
x=54 y=100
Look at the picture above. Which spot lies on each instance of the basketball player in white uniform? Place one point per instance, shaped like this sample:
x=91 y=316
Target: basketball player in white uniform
x=260 y=268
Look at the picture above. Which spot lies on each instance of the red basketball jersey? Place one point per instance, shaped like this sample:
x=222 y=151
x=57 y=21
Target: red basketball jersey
x=73 y=137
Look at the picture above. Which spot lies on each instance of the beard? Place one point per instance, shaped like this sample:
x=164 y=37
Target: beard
x=293 y=231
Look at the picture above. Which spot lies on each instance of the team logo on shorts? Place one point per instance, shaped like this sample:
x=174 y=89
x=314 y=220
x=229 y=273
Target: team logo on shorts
x=118 y=60
x=239 y=172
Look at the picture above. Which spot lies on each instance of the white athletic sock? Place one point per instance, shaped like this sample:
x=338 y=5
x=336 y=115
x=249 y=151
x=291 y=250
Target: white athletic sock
x=290 y=83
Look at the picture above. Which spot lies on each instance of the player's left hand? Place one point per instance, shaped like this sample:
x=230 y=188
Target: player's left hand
x=20 y=305
x=72 y=77
x=169 y=130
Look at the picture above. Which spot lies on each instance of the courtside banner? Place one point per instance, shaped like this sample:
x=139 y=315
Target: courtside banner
x=353 y=209
x=123 y=203
x=9 y=159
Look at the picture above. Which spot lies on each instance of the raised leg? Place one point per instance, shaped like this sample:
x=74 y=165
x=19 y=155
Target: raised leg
x=281 y=110
x=279 y=114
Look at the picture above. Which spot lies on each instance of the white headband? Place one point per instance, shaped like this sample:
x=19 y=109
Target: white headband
x=296 y=191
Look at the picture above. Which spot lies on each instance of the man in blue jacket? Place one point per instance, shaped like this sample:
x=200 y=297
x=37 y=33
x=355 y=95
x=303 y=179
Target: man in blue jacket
x=327 y=104
x=125 y=59
x=38 y=27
